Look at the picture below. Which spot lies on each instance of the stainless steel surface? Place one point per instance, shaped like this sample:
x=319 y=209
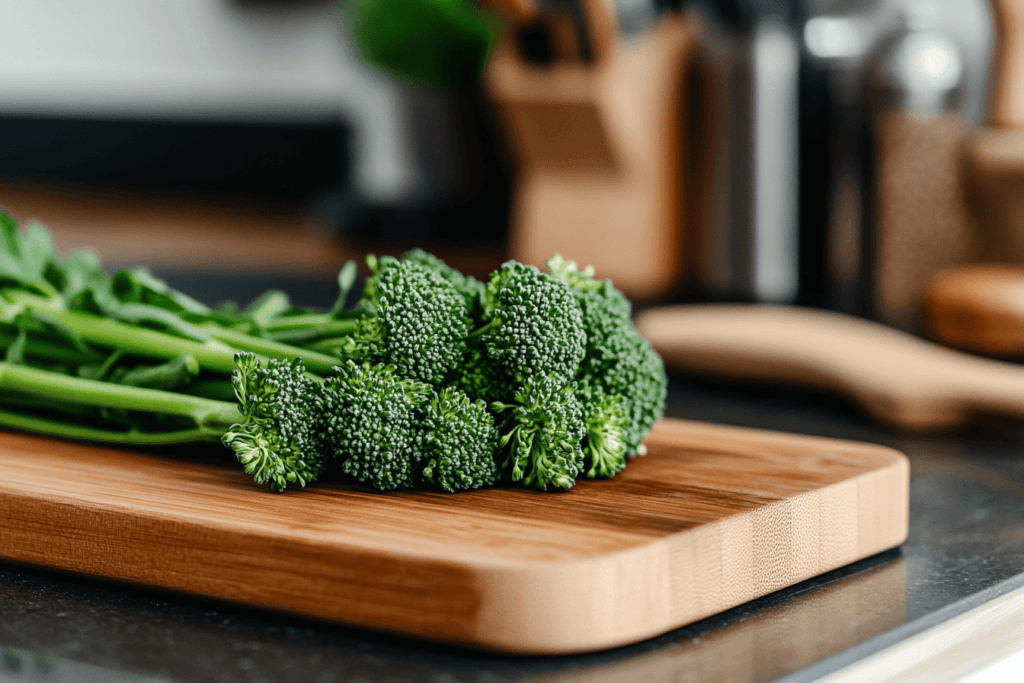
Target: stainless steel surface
x=921 y=70
x=966 y=546
x=838 y=48
x=775 y=68
x=968 y=23
x=870 y=62
x=747 y=233
x=785 y=197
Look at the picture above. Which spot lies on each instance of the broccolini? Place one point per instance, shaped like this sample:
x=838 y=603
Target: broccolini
x=435 y=379
x=534 y=325
x=471 y=289
x=460 y=442
x=543 y=433
x=482 y=377
x=421 y=322
x=605 y=422
x=638 y=375
x=617 y=359
x=281 y=439
x=370 y=421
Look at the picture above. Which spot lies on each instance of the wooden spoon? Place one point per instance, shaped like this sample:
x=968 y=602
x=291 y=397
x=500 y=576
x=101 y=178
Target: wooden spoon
x=900 y=380
x=978 y=308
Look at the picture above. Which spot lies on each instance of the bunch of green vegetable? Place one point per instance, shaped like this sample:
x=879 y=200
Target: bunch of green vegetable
x=432 y=379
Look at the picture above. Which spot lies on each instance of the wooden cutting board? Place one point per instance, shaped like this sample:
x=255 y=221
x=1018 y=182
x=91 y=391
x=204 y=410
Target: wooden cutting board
x=712 y=517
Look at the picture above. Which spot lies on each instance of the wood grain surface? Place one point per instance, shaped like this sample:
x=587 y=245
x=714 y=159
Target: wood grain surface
x=712 y=517
x=900 y=380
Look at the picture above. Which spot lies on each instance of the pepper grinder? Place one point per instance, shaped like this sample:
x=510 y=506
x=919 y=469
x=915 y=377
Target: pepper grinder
x=920 y=224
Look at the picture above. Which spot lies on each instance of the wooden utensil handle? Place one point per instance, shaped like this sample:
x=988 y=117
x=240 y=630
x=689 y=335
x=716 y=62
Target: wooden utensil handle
x=1007 y=105
x=899 y=379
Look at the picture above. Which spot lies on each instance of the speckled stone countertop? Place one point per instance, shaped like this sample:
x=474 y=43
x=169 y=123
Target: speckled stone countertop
x=966 y=547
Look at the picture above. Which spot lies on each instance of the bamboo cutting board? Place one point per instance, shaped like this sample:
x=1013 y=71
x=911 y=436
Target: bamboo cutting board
x=712 y=517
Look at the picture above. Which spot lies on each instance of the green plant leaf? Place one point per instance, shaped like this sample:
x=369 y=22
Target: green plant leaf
x=36 y=252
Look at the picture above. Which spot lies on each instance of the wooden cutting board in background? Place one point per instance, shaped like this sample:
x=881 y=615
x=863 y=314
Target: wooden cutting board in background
x=712 y=517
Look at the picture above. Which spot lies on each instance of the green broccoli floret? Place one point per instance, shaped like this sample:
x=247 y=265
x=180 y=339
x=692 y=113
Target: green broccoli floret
x=607 y=313
x=569 y=273
x=605 y=421
x=607 y=317
x=638 y=376
x=371 y=422
x=279 y=441
x=420 y=324
x=543 y=433
x=480 y=377
x=459 y=442
x=471 y=289
x=617 y=358
x=534 y=324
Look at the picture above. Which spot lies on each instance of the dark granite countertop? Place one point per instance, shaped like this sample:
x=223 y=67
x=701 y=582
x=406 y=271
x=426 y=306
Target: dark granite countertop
x=966 y=546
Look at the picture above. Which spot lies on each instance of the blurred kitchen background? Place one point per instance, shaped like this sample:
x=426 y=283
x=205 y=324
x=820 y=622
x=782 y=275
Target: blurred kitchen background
x=830 y=153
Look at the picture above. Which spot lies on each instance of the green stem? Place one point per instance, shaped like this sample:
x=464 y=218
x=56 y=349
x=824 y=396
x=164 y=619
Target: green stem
x=483 y=329
x=329 y=345
x=211 y=355
x=216 y=415
x=169 y=375
x=216 y=389
x=330 y=328
x=27 y=402
x=315 y=362
x=70 y=431
x=42 y=348
x=292 y=322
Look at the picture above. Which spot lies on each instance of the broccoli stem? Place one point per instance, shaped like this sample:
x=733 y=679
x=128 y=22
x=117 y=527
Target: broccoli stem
x=317 y=320
x=217 y=354
x=170 y=375
x=43 y=425
x=485 y=328
x=329 y=344
x=17 y=401
x=140 y=341
x=316 y=362
x=216 y=389
x=217 y=416
x=312 y=329
x=48 y=350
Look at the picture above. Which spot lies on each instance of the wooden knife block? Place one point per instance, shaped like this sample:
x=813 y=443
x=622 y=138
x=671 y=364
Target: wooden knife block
x=599 y=150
